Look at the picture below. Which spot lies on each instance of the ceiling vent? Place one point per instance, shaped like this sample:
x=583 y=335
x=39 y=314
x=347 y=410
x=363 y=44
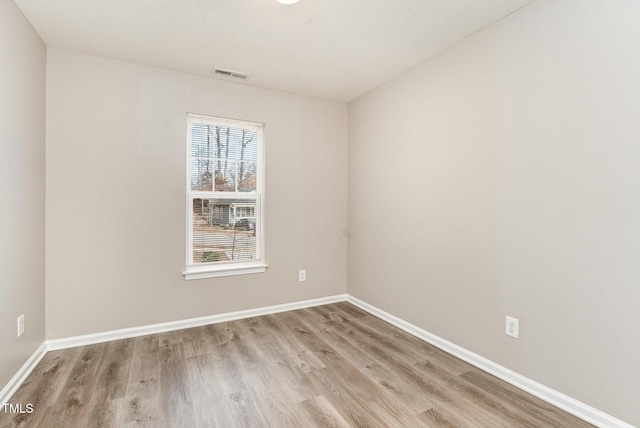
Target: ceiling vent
x=229 y=73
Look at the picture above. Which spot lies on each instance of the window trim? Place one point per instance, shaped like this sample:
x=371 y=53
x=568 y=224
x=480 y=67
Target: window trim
x=208 y=271
x=221 y=269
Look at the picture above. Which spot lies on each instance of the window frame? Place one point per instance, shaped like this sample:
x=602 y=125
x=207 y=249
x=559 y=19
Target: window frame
x=228 y=268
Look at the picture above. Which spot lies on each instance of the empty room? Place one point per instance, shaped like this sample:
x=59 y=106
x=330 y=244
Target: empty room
x=278 y=213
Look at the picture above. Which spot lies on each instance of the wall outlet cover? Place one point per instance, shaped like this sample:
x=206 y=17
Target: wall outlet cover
x=20 y=325
x=512 y=327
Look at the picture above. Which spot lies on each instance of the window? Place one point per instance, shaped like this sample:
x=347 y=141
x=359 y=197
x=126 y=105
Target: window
x=224 y=197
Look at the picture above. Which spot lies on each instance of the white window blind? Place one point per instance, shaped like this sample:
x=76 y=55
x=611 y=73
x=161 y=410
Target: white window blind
x=224 y=197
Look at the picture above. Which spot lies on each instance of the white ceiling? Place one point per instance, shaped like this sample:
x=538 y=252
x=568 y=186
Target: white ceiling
x=334 y=49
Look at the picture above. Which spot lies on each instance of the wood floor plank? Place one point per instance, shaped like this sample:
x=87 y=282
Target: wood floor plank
x=361 y=389
x=109 y=392
x=384 y=378
x=351 y=310
x=441 y=418
x=208 y=400
x=434 y=387
x=433 y=382
x=195 y=342
x=471 y=401
x=140 y=411
x=320 y=412
x=350 y=408
x=73 y=404
x=274 y=402
x=283 y=364
x=522 y=403
x=287 y=347
x=409 y=343
x=174 y=398
x=328 y=366
x=43 y=387
x=141 y=404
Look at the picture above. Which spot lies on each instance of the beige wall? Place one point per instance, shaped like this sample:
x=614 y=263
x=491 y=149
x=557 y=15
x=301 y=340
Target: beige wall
x=501 y=177
x=22 y=186
x=116 y=147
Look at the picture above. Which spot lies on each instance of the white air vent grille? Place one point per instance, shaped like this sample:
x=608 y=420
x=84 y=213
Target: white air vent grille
x=230 y=73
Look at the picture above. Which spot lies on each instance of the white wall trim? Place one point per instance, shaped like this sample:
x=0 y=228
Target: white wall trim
x=558 y=399
x=26 y=369
x=126 y=333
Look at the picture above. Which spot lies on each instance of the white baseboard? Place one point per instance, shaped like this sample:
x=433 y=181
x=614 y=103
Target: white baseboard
x=126 y=333
x=17 y=380
x=558 y=399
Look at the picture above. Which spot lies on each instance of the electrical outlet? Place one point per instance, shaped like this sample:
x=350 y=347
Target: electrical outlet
x=20 y=325
x=302 y=275
x=512 y=327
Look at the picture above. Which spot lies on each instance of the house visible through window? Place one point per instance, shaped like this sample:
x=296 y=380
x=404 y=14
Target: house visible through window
x=225 y=197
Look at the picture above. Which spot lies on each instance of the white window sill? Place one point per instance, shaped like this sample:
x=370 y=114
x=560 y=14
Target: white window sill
x=215 y=271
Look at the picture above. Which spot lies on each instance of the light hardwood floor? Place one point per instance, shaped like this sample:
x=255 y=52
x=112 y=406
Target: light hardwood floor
x=332 y=365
